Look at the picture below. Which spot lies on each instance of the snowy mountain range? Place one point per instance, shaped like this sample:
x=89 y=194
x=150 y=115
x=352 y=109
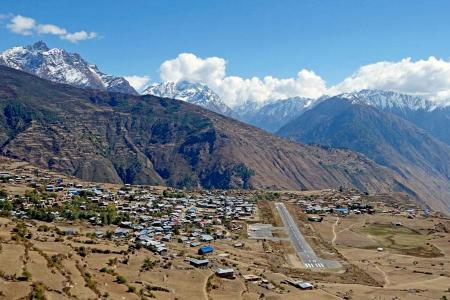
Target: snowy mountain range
x=70 y=68
x=61 y=66
x=195 y=93
x=273 y=114
x=390 y=101
x=269 y=116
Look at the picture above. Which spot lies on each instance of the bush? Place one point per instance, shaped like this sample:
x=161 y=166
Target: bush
x=121 y=279
x=82 y=251
x=21 y=229
x=148 y=265
x=26 y=276
x=3 y=194
x=5 y=205
x=38 y=291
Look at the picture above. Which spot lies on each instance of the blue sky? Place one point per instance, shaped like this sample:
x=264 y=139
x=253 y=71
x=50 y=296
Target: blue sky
x=256 y=38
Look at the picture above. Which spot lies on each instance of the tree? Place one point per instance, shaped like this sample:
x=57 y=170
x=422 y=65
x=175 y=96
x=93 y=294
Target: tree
x=33 y=196
x=6 y=205
x=21 y=229
x=111 y=213
x=3 y=194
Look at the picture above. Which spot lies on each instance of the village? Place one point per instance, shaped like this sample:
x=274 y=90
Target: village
x=124 y=235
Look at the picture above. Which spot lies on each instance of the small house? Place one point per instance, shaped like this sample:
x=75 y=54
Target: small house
x=225 y=273
x=205 y=250
x=121 y=232
x=206 y=238
x=198 y=263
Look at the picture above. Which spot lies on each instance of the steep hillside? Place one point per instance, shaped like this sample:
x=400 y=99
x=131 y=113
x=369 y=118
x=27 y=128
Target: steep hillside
x=389 y=140
x=113 y=137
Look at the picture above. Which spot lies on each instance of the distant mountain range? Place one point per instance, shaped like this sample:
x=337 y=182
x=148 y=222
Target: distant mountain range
x=272 y=115
x=269 y=116
x=61 y=66
x=195 y=93
x=427 y=115
x=348 y=122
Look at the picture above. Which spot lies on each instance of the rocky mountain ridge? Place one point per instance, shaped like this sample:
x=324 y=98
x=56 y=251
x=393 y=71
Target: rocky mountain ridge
x=61 y=66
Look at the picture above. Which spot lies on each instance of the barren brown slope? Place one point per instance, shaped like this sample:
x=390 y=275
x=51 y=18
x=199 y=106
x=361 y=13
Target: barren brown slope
x=113 y=137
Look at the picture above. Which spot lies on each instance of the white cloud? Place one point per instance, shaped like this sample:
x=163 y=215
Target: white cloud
x=138 y=82
x=79 y=36
x=429 y=78
x=22 y=25
x=235 y=90
x=51 y=29
x=29 y=26
x=187 y=66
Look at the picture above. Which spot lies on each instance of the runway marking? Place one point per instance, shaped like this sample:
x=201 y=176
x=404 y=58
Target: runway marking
x=299 y=243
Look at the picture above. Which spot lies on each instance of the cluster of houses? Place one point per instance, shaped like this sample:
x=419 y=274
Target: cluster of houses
x=320 y=206
x=348 y=203
x=194 y=219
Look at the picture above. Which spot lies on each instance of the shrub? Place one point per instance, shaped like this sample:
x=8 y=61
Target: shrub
x=38 y=291
x=26 y=276
x=121 y=279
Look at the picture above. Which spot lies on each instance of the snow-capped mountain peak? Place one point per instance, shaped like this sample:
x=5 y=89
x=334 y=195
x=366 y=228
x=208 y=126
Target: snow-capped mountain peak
x=271 y=115
x=38 y=46
x=192 y=92
x=388 y=100
x=61 y=66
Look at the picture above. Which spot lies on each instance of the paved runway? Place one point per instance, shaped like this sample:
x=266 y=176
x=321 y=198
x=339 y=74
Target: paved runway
x=303 y=249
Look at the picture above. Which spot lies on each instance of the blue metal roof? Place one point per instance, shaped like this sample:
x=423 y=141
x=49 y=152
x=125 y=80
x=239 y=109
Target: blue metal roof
x=206 y=249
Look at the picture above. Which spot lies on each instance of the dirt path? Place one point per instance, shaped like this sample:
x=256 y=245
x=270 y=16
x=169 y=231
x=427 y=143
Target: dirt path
x=334 y=231
x=351 y=226
x=329 y=293
x=205 y=287
x=387 y=282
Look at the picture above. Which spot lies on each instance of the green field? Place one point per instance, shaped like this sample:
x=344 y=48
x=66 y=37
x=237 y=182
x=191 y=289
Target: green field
x=400 y=239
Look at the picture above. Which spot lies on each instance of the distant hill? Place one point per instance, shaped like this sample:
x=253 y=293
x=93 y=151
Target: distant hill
x=114 y=137
x=389 y=140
